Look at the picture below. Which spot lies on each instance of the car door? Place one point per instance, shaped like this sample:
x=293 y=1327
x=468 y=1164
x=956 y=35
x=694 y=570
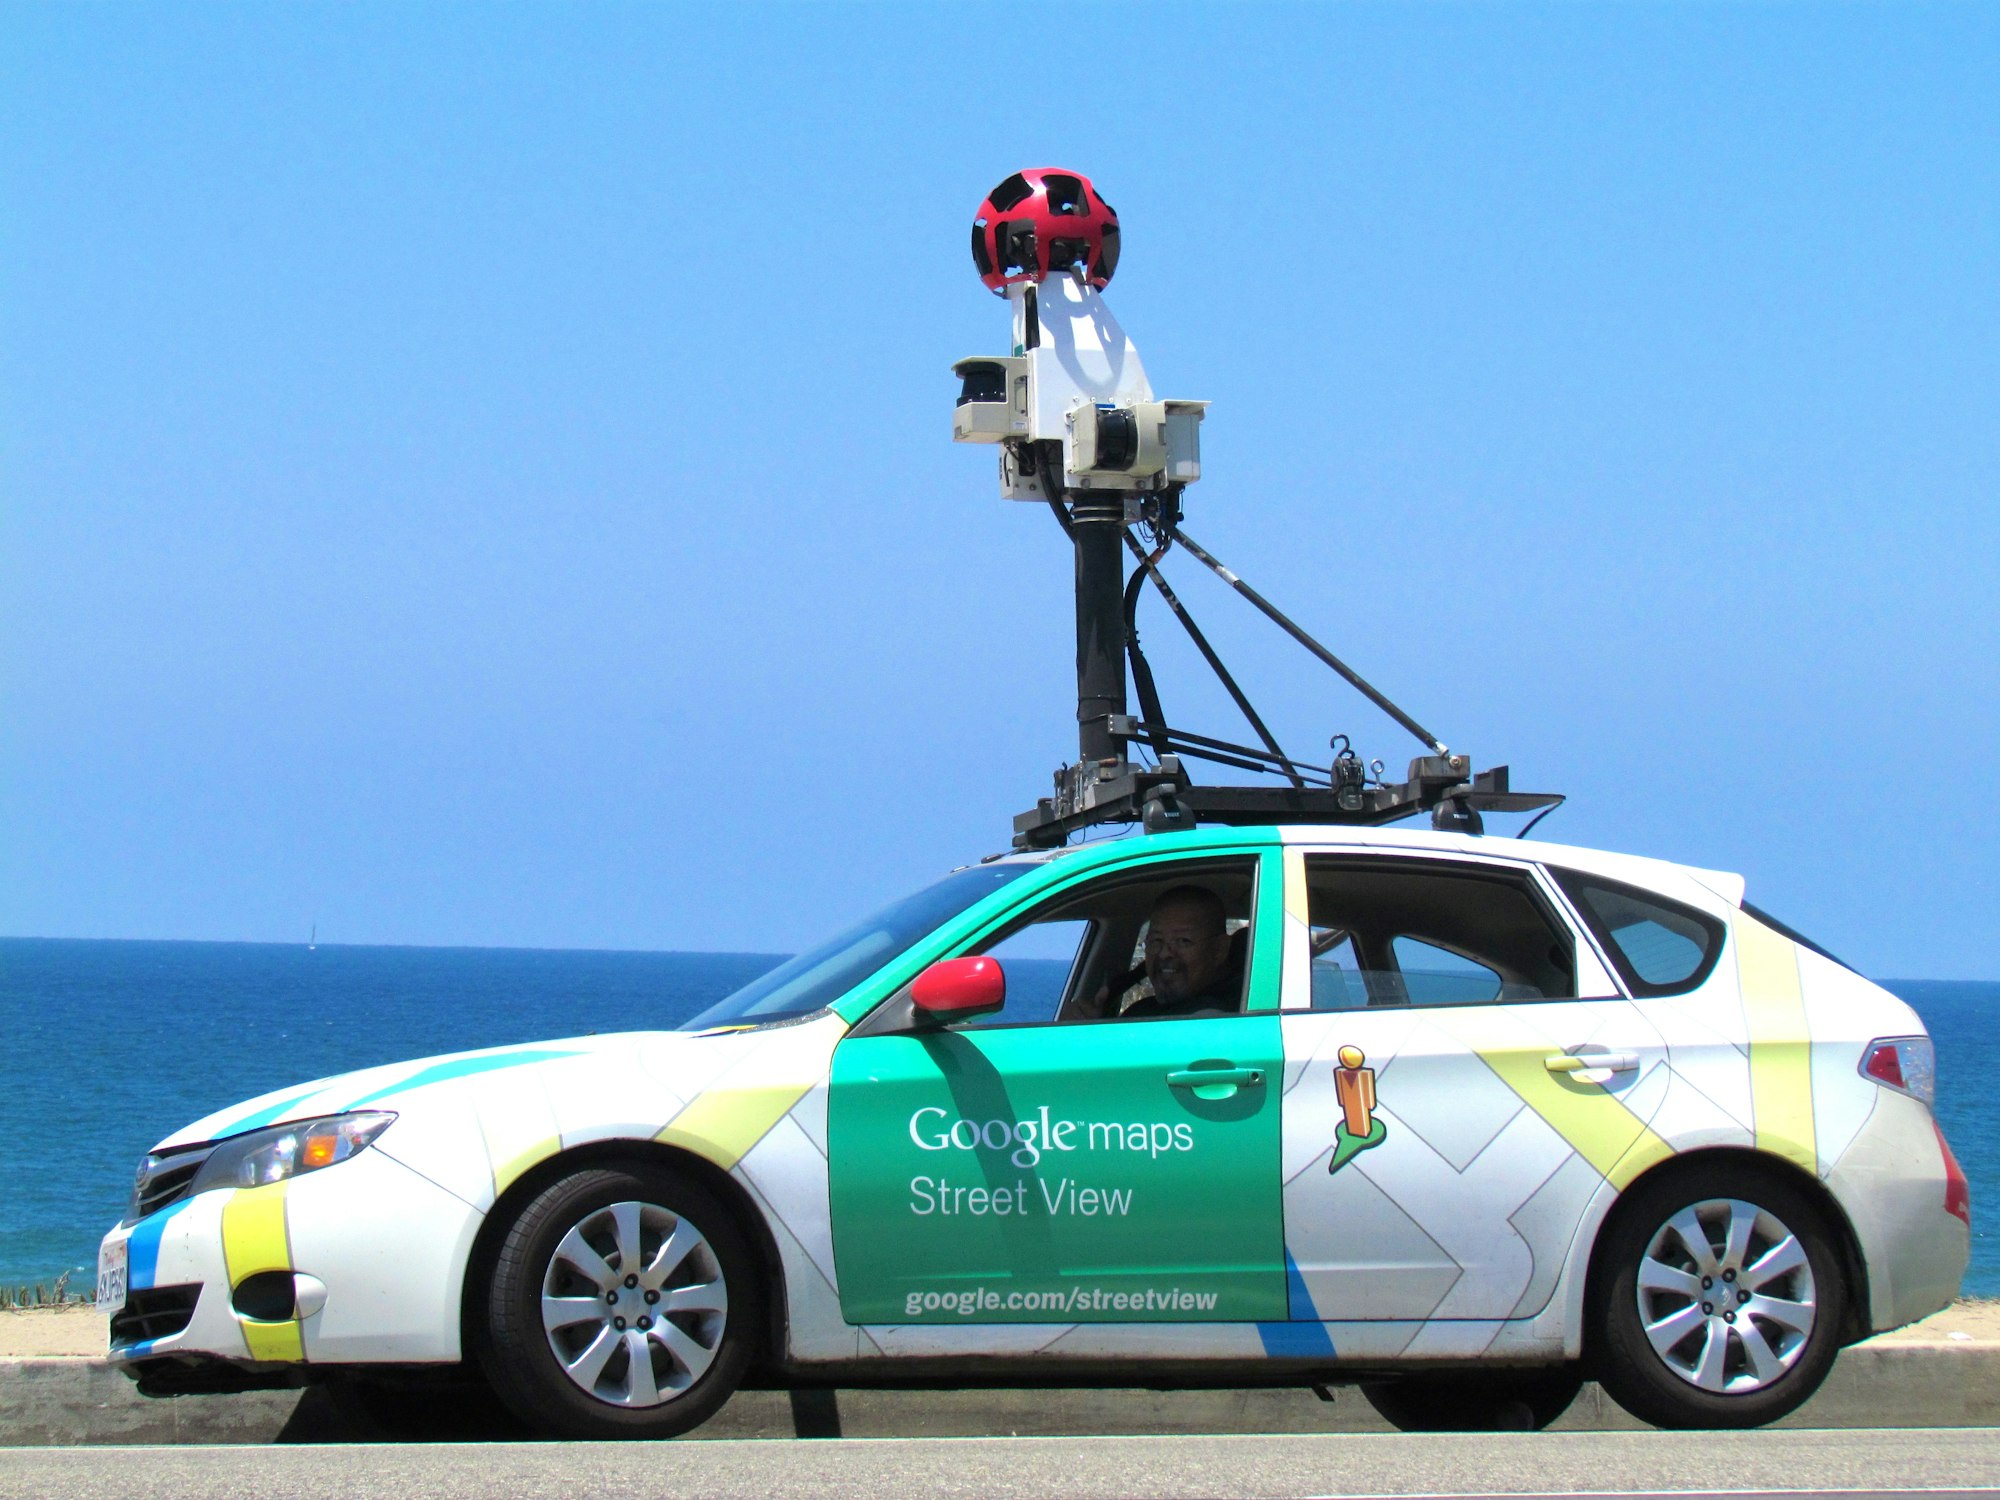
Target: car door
x=1462 y=1075
x=1032 y=1168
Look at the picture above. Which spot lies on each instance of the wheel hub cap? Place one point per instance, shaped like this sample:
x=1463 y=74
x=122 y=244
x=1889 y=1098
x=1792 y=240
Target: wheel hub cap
x=1726 y=1296
x=634 y=1304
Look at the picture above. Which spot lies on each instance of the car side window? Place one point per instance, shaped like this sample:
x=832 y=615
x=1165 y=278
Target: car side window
x=1438 y=976
x=1389 y=931
x=1038 y=960
x=1164 y=941
x=1660 y=947
x=1337 y=982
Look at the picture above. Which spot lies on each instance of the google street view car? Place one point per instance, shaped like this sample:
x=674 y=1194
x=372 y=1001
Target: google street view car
x=1446 y=1116
x=1266 y=1092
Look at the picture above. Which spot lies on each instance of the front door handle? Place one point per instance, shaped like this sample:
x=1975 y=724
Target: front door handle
x=1215 y=1083
x=1187 y=1078
x=1585 y=1062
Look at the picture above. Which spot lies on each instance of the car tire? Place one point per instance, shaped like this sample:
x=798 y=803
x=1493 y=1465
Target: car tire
x=623 y=1304
x=1719 y=1299
x=1486 y=1401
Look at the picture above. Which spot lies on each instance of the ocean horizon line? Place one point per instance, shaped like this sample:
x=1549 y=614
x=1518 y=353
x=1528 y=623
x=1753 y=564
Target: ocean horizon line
x=1887 y=982
x=15 y=937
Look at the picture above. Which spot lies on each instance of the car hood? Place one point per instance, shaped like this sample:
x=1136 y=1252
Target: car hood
x=667 y=1065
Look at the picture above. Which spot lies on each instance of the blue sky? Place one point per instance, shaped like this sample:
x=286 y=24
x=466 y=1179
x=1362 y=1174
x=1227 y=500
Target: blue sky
x=481 y=474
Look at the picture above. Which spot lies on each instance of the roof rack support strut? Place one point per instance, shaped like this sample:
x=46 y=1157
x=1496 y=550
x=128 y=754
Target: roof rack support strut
x=1284 y=622
x=1152 y=571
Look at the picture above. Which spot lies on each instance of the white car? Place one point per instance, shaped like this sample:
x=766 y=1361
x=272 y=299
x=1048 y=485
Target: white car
x=1458 y=1118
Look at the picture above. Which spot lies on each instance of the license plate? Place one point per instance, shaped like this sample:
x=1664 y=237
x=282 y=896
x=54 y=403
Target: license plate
x=111 y=1265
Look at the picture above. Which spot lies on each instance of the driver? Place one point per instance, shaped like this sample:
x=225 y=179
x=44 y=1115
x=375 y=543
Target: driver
x=1187 y=960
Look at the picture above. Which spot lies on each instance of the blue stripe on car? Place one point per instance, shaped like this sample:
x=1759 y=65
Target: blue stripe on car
x=1305 y=1337
x=142 y=1248
x=442 y=1072
x=463 y=1067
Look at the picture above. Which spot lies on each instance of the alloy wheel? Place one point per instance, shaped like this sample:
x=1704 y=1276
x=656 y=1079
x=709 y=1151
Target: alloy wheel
x=634 y=1304
x=1726 y=1296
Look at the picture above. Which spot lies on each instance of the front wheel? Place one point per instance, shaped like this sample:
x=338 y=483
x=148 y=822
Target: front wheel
x=1484 y=1401
x=623 y=1304
x=1720 y=1300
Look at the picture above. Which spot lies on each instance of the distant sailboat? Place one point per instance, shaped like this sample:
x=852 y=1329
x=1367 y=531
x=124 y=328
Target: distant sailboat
x=312 y=943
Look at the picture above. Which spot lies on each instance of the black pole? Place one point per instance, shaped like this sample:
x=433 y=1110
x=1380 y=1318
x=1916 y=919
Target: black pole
x=1097 y=526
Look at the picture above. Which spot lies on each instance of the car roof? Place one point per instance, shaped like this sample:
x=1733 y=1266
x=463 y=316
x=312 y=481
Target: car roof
x=1665 y=876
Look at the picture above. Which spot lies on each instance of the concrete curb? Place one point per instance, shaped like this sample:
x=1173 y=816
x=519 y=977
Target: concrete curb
x=68 y=1402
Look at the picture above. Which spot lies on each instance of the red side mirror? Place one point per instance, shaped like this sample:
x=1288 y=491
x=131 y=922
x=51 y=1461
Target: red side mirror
x=953 y=988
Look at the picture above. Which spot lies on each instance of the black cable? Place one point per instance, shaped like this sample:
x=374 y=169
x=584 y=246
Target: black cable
x=1207 y=651
x=1285 y=623
x=1529 y=826
x=1142 y=670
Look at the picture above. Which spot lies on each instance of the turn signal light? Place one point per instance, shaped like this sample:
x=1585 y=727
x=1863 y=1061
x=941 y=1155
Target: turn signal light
x=320 y=1151
x=1907 y=1064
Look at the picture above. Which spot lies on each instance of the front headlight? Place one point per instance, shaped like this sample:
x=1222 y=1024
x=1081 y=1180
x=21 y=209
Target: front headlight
x=259 y=1157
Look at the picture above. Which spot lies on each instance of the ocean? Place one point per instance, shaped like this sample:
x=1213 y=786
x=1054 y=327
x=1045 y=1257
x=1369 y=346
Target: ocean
x=110 y=1045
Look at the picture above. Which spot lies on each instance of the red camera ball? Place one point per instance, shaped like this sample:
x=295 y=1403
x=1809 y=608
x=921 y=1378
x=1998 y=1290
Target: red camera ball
x=1041 y=220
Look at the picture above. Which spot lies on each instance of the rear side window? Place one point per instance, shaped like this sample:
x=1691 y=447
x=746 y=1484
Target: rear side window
x=1659 y=946
x=1428 y=932
x=1337 y=980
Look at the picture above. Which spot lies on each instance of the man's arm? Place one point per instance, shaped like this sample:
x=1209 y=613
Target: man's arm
x=1103 y=1006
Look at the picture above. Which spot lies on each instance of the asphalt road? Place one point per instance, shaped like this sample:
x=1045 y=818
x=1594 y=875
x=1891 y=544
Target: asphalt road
x=1933 y=1462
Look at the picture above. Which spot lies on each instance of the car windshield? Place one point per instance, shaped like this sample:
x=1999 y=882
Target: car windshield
x=815 y=979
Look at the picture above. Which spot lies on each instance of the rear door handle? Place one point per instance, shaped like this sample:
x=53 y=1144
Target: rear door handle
x=1191 y=1078
x=1584 y=1062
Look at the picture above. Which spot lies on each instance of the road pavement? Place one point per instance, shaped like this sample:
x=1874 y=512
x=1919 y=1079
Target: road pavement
x=1933 y=1464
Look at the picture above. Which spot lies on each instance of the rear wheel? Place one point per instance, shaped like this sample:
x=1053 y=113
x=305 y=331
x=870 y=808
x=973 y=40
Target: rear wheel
x=1720 y=1300
x=623 y=1304
x=1485 y=1401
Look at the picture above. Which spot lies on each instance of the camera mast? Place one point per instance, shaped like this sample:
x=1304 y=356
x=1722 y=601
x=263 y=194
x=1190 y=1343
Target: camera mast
x=1079 y=430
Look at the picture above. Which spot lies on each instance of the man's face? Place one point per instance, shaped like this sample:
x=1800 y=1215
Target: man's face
x=1184 y=950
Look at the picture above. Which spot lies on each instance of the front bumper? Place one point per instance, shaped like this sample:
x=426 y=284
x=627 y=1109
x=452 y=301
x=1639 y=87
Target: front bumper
x=388 y=1246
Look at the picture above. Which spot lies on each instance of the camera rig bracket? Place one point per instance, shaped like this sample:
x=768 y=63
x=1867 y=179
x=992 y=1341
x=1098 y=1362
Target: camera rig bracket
x=1079 y=429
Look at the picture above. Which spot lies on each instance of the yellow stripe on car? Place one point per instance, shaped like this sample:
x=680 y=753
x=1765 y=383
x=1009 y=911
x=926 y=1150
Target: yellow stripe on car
x=1774 y=1012
x=1297 y=972
x=254 y=1239
x=726 y=1119
x=507 y=1172
x=1594 y=1121
x=722 y=1124
x=519 y=1128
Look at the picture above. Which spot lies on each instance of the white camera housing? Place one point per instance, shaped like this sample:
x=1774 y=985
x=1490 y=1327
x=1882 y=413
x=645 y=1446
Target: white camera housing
x=993 y=402
x=1147 y=440
x=1075 y=379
